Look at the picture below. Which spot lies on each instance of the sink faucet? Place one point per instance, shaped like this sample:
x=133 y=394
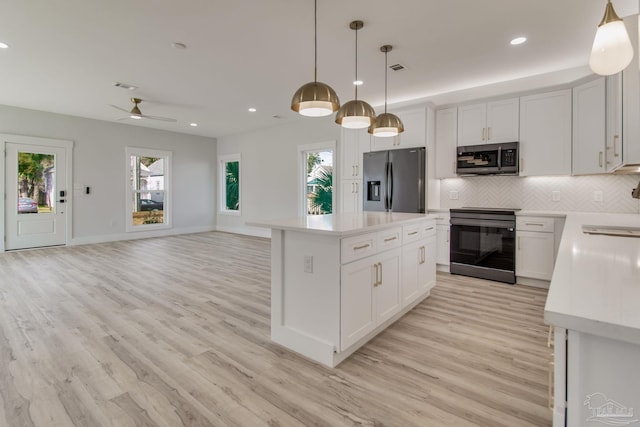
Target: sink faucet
x=636 y=192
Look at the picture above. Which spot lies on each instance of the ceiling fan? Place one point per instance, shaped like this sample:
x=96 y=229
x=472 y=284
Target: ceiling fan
x=136 y=114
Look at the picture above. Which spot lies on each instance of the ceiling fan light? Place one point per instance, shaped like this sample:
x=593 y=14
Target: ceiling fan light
x=315 y=99
x=356 y=114
x=612 y=50
x=386 y=125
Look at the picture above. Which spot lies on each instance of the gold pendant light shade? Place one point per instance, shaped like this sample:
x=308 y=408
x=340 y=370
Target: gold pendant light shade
x=387 y=125
x=356 y=114
x=315 y=99
x=612 y=50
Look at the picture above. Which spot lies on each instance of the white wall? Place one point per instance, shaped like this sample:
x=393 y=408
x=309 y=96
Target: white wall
x=99 y=162
x=269 y=172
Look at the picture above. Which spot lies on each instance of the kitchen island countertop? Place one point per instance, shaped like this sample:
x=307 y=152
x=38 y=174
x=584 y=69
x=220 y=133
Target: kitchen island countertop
x=595 y=286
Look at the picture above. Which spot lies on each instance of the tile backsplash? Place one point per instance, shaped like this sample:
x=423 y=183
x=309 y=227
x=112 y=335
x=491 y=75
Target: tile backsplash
x=594 y=193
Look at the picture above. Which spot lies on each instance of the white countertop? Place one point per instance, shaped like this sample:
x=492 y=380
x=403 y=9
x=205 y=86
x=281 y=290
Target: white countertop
x=342 y=224
x=595 y=286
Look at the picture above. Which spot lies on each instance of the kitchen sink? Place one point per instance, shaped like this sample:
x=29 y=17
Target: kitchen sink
x=611 y=230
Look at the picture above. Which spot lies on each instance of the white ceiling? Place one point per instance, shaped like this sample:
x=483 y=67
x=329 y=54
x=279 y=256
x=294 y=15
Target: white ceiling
x=65 y=55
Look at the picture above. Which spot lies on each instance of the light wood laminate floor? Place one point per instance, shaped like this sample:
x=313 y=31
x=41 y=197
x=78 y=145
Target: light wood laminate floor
x=174 y=331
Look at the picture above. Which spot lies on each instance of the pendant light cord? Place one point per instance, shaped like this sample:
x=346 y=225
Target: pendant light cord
x=355 y=81
x=315 y=40
x=385 y=81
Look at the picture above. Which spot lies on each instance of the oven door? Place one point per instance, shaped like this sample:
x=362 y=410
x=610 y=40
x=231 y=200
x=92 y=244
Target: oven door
x=483 y=243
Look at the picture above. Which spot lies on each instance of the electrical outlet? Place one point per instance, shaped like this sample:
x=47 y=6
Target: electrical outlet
x=453 y=195
x=308 y=264
x=555 y=196
x=597 y=196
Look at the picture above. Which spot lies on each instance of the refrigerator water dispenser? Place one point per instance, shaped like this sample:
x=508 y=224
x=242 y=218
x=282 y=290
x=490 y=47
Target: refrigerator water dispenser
x=373 y=191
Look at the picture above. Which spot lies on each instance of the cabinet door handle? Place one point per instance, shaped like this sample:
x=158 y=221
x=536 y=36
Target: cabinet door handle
x=422 y=255
x=355 y=187
x=534 y=223
x=600 y=158
x=448 y=234
x=357 y=248
x=375 y=273
x=518 y=242
x=484 y=131
x=380 y=282
x=488 y=134
x=615 y=137
x=428 y=228
x=413 y=233
x=389 y=239
x=357 y=170
x=454 y=164
x=550 y=385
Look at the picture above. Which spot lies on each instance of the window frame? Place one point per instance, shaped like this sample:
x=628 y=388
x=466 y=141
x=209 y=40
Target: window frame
x=166 y=208
x=222 y=190
x=302 y=173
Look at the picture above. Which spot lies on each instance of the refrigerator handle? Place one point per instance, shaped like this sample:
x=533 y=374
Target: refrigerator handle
x=390 y=185
x=386 y=180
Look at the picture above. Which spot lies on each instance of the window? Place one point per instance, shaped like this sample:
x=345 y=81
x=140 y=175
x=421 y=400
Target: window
x=148 y=193
x=230 y=184
x=317 y=175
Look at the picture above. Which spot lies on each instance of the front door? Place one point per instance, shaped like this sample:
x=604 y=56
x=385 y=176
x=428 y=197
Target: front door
x=36 y=195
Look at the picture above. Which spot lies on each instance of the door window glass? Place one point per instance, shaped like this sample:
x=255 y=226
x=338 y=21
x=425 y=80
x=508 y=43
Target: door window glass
x=319 y=182
x=36 y=183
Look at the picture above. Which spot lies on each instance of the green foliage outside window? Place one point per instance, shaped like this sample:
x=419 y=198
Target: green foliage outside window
x=232 y=183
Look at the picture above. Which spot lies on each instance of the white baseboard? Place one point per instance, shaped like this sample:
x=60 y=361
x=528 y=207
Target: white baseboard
x=138 y=235
x=247 y=231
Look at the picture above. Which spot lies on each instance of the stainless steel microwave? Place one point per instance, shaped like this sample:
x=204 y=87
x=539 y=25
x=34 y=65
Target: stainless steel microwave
x=488 y=159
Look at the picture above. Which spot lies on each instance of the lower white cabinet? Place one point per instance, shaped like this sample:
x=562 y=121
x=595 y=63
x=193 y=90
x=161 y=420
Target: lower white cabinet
x=537 y=240
x=350 y=196
x=370 y=294
x=418 y=267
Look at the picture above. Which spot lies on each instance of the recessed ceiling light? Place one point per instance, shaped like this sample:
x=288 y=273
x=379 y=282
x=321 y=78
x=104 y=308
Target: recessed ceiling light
x=135 y=117
x=4 y=45
x=178 y=45
x=518 y=40
x=193 y=125
x=252 y=110
x=358 y=82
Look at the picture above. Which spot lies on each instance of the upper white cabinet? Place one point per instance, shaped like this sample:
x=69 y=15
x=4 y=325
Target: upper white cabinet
x=354 y=143
x=613 y=154
x=414 y=135
x=631 y=103
x=545 y=134
x=446 y=142
x=589 y=132
x=488 y=123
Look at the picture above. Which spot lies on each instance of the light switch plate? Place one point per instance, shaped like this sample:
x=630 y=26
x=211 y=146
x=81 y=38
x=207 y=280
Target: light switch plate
x=308 y=264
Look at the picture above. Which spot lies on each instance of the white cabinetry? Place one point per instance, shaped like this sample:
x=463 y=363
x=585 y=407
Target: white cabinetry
x=613 y=154
x=536 y=248
x=446 y=142
x=443 y=234
x=589 y=118
x=418 y=261
x=353 y=144
x=414 y=135
x=370 y=295
x=631 y=104
x=545 y=134
x=488 y=123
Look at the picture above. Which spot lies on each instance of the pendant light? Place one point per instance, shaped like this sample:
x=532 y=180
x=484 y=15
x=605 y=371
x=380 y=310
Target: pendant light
x=356 y=114
x=386 y=124
x=315 y=99
x=612 y=50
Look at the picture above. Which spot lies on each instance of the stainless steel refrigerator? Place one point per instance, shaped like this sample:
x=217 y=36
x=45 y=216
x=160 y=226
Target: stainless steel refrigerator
x=394 y=180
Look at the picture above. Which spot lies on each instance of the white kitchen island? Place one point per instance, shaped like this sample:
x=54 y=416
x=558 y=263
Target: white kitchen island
x=594 y=305
x=338 y=280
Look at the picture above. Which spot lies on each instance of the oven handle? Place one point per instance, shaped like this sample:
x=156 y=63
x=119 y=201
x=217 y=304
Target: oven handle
x=510 y=225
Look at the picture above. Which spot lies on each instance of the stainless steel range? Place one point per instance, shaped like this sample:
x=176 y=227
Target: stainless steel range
x=483 y=243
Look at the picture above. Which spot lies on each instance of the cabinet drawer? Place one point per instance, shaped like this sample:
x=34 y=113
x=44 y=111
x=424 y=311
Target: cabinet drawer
x=545 y=225
x=388 y=239
x=356 y=247
x=428 y=229
x=411 y=232
x=443 y=218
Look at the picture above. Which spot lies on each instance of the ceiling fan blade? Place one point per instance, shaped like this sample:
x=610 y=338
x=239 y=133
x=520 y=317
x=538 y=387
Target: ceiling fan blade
x=164 y=119
x=119 y=108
